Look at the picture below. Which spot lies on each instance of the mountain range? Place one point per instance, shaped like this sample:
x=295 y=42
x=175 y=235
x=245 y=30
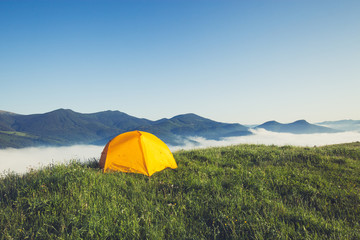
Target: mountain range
x=65 y=127
x=342 y=125
x=297 y=127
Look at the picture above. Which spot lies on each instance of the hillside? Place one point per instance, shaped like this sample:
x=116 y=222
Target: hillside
x=66 y=127
x=238 y=192
x=297 y=127
x=188 y=125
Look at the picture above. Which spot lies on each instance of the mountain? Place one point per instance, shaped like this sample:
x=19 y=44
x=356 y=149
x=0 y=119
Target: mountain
x=343 y=125
x=297 y=127
x=188 y=125
x=66 y=127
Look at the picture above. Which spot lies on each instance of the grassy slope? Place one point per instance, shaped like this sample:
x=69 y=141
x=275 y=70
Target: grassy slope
x=14 y=139
x=17 y=139
x=245 y=191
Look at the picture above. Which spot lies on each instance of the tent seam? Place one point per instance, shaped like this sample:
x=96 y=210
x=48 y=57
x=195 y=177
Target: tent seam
x=143 y=153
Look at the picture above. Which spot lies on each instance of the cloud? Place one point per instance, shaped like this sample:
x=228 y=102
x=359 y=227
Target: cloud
x=262 y=136
x=21 y=160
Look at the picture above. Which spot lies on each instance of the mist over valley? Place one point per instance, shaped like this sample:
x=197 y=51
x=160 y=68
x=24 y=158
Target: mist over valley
x=64 y=127
x=23 y=159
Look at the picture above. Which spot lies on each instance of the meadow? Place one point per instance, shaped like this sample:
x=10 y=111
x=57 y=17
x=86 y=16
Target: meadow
x=236 y=192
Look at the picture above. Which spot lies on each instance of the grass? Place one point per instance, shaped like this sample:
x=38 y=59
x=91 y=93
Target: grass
x=237 y=192
x=17 y=139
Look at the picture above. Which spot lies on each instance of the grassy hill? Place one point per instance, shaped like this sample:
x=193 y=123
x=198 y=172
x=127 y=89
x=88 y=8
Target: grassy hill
x=237 y=192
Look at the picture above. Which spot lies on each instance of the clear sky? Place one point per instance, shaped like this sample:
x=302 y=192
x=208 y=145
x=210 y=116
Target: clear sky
x=231 y=61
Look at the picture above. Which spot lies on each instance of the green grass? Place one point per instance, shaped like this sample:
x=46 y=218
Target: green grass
x=17 y=139
x=237 y=192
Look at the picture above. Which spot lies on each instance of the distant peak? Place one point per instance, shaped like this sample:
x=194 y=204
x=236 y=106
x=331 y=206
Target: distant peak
x=186 y=115
x=269 y=123
x=302 y=121
x=60 y=110
x=108 y=111
x=63 y=110
x=190 y=117
x=272 y=121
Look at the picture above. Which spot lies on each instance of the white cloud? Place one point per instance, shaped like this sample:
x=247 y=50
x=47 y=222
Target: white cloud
x=20 y=160
x=261 y=136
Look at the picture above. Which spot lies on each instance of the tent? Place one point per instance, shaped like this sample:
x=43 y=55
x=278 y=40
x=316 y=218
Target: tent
x=136 y=152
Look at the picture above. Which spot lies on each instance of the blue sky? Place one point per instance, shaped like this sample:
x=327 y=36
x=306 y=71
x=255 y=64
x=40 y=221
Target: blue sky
x=231 y=61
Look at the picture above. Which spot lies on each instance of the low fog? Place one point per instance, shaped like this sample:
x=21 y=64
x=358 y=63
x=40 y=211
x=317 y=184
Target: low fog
x=262 y=136
x=21 y=160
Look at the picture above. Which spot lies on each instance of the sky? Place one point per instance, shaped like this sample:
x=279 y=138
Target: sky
x=231 y=61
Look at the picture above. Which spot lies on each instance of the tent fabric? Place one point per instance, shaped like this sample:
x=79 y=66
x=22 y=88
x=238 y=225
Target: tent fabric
x=136 y=152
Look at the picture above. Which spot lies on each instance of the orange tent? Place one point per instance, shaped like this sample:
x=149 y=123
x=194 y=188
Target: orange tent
x=137 y=152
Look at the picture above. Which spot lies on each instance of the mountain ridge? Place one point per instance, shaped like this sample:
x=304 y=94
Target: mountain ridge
x=66 y=127
x=297 y=127
x=343 y=125
x=63 y=127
